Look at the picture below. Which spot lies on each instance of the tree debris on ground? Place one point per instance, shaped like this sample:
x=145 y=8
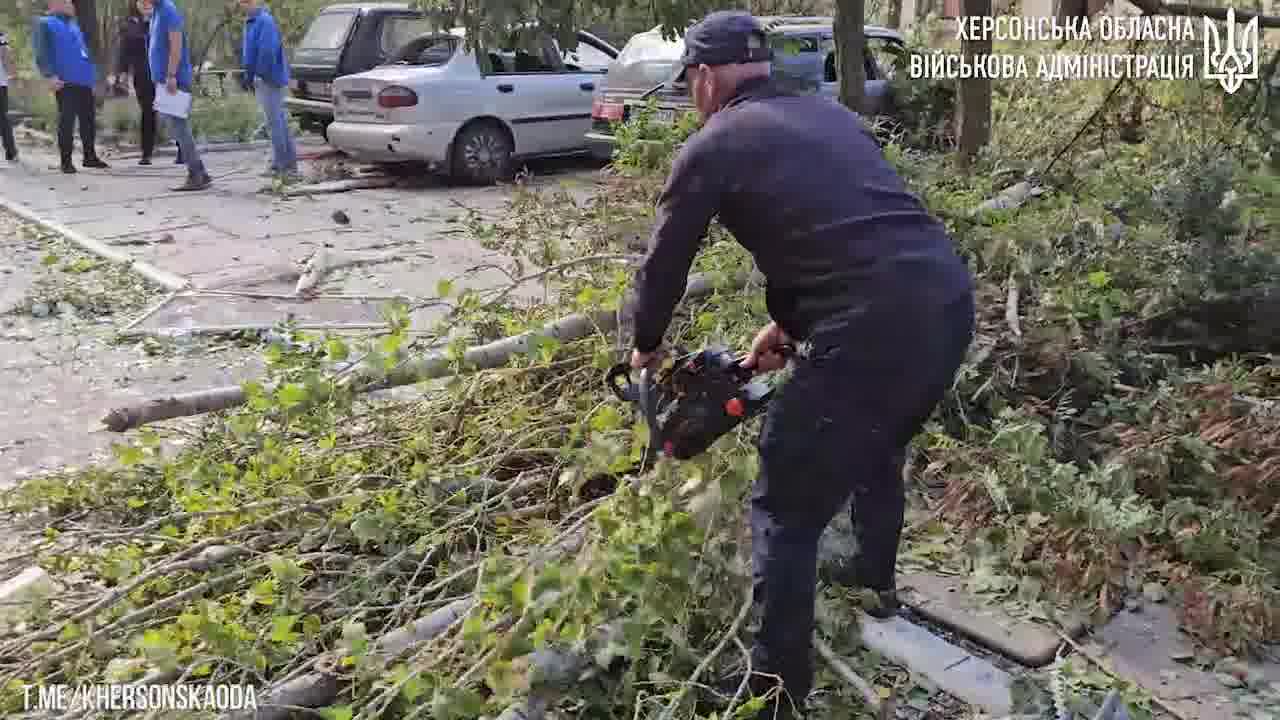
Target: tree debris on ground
x=1113 y=428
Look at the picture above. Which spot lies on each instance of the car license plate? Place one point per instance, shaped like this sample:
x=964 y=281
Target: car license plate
x=666 y=116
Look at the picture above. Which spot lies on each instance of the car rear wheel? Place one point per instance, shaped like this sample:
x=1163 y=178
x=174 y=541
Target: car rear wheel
x=482 y=153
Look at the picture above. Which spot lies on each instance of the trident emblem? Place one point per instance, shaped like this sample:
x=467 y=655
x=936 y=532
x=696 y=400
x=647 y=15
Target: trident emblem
x=1239 y=61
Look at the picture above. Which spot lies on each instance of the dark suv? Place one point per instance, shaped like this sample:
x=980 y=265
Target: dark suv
x=804 y=58
x=343 y=40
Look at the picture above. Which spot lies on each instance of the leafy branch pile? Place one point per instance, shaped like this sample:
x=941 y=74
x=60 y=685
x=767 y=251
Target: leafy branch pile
x=491 y=549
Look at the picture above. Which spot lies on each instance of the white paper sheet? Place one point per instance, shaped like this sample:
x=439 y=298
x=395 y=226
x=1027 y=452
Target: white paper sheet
x=176 y=105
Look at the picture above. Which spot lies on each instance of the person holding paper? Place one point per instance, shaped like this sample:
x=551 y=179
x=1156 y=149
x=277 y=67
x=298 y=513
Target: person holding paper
x=63 y=60
x=171 y=69
x=266 y=75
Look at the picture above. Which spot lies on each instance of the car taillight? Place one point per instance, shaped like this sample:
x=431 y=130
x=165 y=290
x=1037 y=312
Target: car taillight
x=601 y=110
x=397 y=97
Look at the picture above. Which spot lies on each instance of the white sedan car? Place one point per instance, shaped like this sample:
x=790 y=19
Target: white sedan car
x=470 y=113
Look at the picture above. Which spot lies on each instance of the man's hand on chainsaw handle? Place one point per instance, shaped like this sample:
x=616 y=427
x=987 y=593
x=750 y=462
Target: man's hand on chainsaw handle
x=765 y=355
x=641 y=360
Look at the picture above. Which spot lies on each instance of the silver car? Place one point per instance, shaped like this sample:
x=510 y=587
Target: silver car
x=471 y=113
x=804 y=58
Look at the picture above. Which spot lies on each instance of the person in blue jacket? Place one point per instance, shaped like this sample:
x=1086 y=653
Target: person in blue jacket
x=170 y=62
x=63 y=59
x=266 y=75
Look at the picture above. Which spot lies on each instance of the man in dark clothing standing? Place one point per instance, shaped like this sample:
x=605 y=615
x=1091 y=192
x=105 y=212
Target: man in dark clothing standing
x=63 y=59
x=860 y=278
x=135 y=31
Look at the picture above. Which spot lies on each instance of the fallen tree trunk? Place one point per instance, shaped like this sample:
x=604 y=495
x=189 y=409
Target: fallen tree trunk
x=428 y=367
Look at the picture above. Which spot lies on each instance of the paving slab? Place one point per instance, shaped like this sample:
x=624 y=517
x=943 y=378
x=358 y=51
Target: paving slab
x=944 y=600
x=1141 y=647
x=966 y=676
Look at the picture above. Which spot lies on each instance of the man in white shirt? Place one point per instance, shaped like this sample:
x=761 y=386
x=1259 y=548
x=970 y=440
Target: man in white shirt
x=6 y=69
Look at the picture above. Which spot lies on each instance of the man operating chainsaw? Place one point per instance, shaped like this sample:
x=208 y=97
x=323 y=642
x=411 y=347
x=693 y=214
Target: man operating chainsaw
x=860 y=279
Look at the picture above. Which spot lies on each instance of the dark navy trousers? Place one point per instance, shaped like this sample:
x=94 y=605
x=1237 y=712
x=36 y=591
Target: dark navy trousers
x=838 y=428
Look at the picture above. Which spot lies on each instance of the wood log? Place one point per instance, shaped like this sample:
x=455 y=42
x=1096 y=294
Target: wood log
x=430 y=366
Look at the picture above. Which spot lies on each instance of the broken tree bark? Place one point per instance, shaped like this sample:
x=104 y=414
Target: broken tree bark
x=431 y=366
x=324 y=262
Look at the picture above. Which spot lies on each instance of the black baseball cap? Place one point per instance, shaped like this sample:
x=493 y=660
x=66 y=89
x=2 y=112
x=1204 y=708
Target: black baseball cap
x=727 y=37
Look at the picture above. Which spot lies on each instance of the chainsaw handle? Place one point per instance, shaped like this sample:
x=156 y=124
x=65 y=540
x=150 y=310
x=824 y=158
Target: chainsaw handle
x=625 y=390
x=744 y=373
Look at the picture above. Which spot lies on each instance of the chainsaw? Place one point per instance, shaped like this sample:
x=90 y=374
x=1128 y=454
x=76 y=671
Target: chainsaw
x=690 y=404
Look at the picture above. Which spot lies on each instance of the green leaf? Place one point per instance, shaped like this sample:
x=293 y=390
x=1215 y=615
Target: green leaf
x=128 y=455
x=355 y=638
x=337 y=350
x=606 y=418
x=292 y=394
x=337 y=712
x=368 y=527
x=282 y=628
x=1099 y=279
x=444 y=288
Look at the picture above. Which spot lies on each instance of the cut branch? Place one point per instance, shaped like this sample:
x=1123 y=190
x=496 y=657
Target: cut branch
x=431 y=366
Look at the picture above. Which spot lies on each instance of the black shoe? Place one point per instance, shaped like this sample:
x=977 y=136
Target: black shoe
x=881 y=604
x=145 y=161
x=11 y=157
x=193 y=184
x=68 y=168
x=95 y=163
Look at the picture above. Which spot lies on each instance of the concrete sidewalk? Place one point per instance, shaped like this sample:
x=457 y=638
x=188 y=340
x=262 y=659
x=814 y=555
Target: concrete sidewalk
x=233 y=237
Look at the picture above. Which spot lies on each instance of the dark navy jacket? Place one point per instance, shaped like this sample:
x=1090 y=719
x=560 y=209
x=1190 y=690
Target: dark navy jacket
x=135 y=32
x=61 y=51
x=802 y=184
x=263 y=53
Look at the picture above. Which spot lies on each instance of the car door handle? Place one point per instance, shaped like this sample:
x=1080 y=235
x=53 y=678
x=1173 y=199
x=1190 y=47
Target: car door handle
x=587 y=86
x=505 y=88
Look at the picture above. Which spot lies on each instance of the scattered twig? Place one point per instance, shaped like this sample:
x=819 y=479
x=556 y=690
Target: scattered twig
x=729 y=635
x=341 y=186
x=1011 y=310
x=883 y=708
x=150 y=311
x=323 y=262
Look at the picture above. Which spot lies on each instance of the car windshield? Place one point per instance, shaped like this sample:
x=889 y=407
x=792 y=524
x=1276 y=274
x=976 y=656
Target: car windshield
x=328 y=31
x=429 y=51
x=650 y=47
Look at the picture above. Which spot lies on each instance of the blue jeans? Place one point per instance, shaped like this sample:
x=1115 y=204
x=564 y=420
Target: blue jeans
x=180 y=128
x=284 y=157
